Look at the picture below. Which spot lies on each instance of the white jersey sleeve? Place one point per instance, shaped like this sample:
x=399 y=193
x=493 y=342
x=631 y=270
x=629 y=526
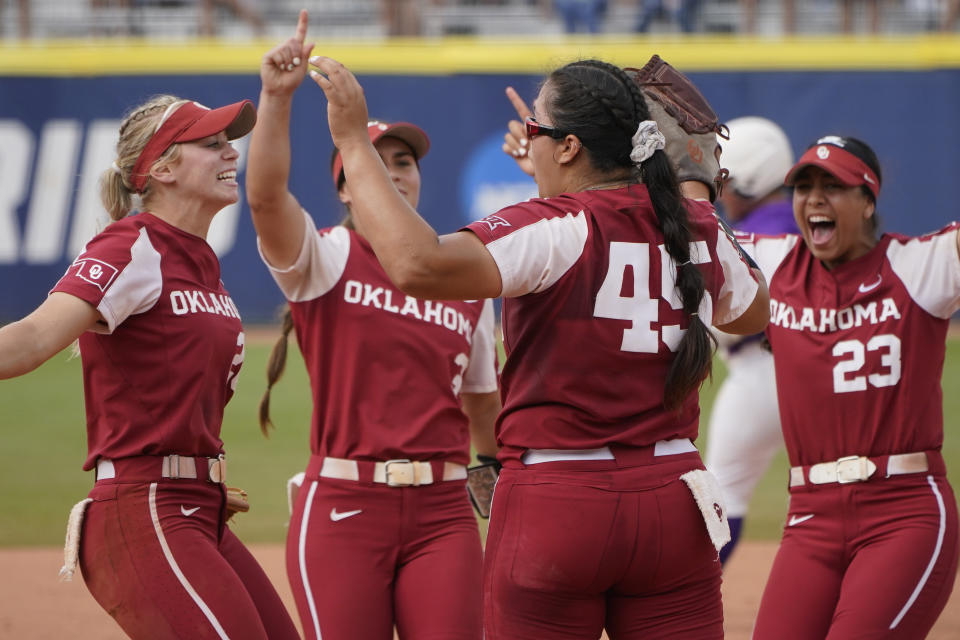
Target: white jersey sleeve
x=767 y=251
x=739 y=287
x=532 y=258
x=135 y=289
x=481 y=373
x=929 y=268
x=318 y=267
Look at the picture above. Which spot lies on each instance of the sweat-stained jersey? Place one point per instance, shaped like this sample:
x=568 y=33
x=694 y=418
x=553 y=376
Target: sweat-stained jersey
x=591 y=317
x=859 y=349
x=386 y=369
x=159 y=373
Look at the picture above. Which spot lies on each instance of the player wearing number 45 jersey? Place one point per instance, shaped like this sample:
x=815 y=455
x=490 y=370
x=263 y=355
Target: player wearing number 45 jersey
x=857 y=327
x=382 y=532
x=603 y=516
x=161 y=345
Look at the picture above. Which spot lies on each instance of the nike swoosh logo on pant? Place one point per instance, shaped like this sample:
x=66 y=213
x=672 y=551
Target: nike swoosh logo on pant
x=336 y=517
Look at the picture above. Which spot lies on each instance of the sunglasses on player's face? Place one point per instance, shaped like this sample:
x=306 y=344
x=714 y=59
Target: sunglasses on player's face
x=535 y=129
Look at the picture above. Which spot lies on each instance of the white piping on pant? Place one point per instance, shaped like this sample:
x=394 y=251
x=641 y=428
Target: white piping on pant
x=301 y=557
x=176 y=568
x=933 y=560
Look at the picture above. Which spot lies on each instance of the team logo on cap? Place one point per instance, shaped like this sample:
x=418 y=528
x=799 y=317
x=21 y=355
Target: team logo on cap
x=377 y=124
x=823 y=152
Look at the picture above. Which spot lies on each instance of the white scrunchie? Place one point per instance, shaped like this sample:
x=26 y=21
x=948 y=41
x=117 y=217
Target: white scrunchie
x=116 y=168
x=646 y=140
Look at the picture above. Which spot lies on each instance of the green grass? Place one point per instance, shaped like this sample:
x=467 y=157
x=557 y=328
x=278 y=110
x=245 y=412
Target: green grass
x=44 y=444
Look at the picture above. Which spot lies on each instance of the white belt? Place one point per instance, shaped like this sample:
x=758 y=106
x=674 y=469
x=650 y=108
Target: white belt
x=857 y=469
x=173 y=466
x=393 y=473
x=661 y=448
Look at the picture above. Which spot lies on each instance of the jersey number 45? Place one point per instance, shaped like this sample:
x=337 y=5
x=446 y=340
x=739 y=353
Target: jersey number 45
x=640 y=308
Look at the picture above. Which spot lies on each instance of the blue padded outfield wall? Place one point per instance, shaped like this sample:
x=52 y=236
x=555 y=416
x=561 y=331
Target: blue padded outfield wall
x=58 y=126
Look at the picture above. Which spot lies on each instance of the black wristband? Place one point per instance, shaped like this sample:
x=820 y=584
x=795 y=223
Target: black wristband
x=482 y=459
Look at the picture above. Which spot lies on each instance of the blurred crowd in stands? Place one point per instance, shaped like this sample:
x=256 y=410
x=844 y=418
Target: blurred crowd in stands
x=352 y=18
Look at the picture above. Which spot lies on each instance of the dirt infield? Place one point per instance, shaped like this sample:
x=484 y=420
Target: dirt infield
x=34 y=605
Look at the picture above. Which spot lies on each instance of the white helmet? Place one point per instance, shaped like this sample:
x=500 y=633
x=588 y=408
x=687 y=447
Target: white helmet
x=758 y=156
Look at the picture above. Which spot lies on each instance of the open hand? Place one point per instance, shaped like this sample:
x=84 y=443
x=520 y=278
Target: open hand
x=346 y=104
x=282 y=68
x=515 y=142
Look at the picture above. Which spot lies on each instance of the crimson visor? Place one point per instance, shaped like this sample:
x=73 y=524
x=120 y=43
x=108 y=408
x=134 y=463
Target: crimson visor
x=840 y=163
x=187 y=121
x=409 y=133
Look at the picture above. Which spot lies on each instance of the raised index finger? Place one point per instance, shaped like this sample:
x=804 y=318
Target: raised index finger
x=522 y=109
x=302 y=26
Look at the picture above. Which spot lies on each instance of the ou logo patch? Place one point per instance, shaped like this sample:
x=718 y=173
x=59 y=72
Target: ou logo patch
x=100 y=274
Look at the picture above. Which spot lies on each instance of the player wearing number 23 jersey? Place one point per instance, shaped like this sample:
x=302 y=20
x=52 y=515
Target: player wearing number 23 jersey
x=857 y=327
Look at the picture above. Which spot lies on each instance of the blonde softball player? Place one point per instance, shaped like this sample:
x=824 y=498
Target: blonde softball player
x=161 y=345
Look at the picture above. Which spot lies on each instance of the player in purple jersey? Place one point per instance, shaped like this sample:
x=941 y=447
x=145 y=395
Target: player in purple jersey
x=382 y=534
x=603 y=515
x=858 y=323
x=161 y=345
x=744 y=426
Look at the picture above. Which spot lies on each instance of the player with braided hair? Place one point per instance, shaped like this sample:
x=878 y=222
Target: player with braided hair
x=603 y=514
x=382 y=533
x=161 y=345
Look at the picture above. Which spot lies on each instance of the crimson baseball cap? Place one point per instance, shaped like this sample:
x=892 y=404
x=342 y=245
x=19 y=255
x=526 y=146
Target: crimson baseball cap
x=833 y=155
x=376 y=129
x=185 y=121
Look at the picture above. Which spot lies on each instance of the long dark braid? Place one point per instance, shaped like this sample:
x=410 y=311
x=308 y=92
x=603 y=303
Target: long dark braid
x=275 y=368
x=606 y=133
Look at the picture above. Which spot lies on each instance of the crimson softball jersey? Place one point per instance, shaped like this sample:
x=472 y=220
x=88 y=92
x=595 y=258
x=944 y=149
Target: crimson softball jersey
x=158 y=374
x=386 y=372
x=592 y=459
x=155 y=552
x=860 y=348
x=591 y=314
x=859 y=351
x=407 y=359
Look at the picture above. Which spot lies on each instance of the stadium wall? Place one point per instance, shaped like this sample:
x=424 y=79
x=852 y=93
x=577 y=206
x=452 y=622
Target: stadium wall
x=60 y=105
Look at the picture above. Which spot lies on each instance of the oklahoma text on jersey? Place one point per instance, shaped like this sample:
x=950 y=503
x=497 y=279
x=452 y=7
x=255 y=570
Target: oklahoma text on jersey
x=434 y=311
x=830 y=320
x=184 y=302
